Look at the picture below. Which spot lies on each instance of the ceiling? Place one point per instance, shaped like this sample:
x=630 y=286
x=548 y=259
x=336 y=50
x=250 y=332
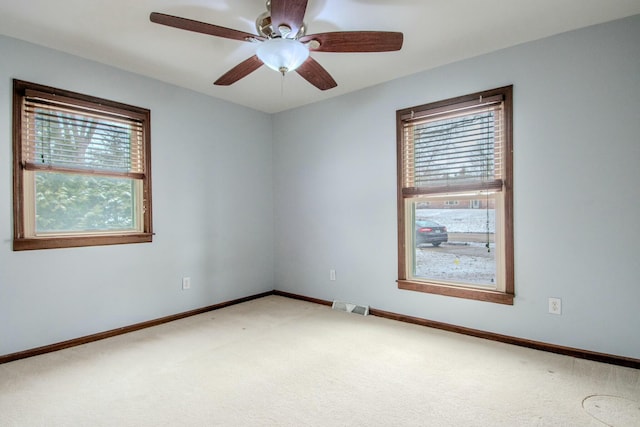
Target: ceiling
x=436 y=32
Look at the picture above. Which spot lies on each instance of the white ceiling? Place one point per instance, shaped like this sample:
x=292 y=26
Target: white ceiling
x=436 y=32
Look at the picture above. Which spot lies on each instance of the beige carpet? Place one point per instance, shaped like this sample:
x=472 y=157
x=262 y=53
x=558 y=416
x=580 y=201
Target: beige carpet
x=281 y=362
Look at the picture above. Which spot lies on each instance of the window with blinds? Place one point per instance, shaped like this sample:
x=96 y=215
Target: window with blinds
x=455 y=196
x=81 y=170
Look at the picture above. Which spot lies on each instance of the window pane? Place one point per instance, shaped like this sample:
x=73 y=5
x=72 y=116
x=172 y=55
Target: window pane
x=454 y=240
x=70 y=202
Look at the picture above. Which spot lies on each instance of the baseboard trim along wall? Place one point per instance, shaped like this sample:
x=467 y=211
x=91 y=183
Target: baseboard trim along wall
x=126 y=329
x=537 y=345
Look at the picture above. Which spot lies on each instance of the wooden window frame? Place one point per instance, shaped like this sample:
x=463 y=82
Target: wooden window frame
x=22 y=240
x=507 y=295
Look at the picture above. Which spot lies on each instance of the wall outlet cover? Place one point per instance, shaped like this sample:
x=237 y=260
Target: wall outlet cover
x=555 y=306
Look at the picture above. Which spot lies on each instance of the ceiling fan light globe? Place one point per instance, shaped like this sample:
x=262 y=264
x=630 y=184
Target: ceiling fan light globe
x=282 y=54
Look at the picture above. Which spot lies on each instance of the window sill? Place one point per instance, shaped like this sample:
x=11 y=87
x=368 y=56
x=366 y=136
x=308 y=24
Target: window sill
x=452 y=291
x=77 y=241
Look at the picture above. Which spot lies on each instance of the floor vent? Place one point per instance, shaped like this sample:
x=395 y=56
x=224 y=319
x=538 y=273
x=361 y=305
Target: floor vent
x=351 y=308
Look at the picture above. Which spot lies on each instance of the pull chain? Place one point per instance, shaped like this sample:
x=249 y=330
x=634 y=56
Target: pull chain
x=487 y=178
x=488 y=236
x=282 y=86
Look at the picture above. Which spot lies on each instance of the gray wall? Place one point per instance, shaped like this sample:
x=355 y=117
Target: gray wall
x=577 y=191
x=212 y=205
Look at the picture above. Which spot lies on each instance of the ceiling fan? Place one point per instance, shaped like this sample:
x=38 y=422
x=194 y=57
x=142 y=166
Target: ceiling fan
x=283 y=44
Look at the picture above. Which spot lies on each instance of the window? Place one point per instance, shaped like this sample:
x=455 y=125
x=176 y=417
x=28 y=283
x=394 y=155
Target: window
x=455 y=197
x=81 y=170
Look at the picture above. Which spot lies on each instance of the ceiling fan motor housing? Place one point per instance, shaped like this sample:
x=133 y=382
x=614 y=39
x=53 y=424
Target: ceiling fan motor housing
x=264 y=27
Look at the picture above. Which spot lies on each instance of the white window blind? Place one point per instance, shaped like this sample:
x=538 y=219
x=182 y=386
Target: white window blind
x=61 y=137
x=454 y=149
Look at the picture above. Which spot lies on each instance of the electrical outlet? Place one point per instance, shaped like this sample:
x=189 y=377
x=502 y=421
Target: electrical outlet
x=555 y=306
x=186 y=283
x=332 y=275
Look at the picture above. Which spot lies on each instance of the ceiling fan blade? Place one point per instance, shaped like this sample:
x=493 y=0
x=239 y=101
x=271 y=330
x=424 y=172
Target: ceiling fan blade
x=289 y=13
x=241 y=70
x=356 y=41
x=313 y=72
x=201 y=27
